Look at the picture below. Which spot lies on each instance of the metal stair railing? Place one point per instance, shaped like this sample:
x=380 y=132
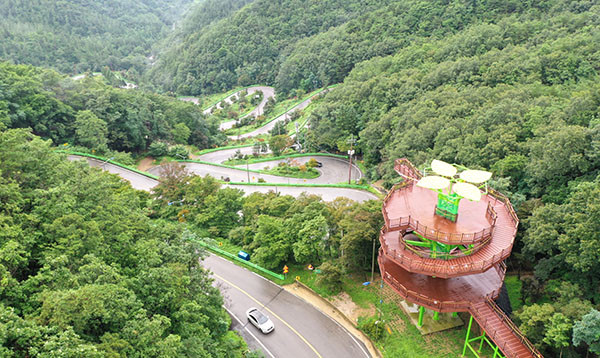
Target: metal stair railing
x=515 y=330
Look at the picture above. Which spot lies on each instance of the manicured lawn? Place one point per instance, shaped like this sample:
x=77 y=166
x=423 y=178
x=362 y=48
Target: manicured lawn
x=212 y=99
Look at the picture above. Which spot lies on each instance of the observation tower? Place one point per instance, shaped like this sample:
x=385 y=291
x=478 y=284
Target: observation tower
x=443 y=246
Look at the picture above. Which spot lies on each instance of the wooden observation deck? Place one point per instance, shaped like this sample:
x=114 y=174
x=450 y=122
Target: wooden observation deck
x=468 y=275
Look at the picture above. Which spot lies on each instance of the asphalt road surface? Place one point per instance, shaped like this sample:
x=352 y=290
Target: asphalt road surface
x=266 y=128
x=142 y=182
x=334 y=170
x=268 y=92
x=138 y=181
x=300 y=329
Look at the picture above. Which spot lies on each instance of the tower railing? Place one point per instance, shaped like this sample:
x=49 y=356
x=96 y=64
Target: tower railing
x=513 y=327
x=405 y=168
x=504 y=200
x=441 y=268
x=497 y=332
x=408 y=222
x=415 y=297
x=440 y=255
x=465 y=238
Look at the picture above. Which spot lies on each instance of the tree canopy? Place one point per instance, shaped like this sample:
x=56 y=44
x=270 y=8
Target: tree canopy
x=85 y=271
x=76 y=36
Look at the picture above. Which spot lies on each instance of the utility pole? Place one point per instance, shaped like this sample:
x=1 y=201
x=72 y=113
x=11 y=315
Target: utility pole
x=350 y=152
x=297 y=135
x=247 y=170
x=373 y=262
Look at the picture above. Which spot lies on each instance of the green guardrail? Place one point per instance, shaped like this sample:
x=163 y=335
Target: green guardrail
x=368 y=188
x=210 y=150
x=297 y=155
x=220 y=165
x=234 y=257
x=289 y=108
x=227 y=94
x=313 y=185
x=108 y=161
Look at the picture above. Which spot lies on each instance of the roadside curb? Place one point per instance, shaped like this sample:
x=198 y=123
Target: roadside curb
x=347 y=324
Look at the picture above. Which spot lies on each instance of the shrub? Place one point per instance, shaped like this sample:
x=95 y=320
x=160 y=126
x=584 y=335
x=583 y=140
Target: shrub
x=331 y=276
x=179 y=152
x=373 y=327
x=158 y=149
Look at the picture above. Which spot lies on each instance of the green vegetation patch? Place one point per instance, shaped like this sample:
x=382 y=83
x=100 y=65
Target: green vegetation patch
x=301 y=171
x=280 y=108
x=269 y=157
x=514 y=285
x=135 y=170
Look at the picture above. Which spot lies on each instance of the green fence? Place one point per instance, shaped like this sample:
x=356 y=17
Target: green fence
x=108 y=161
x=234 y=257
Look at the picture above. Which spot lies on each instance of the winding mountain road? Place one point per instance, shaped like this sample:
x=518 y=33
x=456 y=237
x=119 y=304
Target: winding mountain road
x=268 y=92
x=301 y=330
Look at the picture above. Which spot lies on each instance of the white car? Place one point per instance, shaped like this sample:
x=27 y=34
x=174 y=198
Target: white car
x=260 y=320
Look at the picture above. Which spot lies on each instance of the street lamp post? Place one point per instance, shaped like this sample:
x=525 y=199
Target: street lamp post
x=181 y=156
x=106 y=161
x=247 y=170
x=350 y=153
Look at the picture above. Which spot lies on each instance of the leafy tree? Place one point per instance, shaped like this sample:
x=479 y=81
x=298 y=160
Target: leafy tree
x=158 y=149
x=95 y=275
x=279 y=143
x=310 y=246
x=331 y=275
x=91 y=131
x=271 y=245
x=587 y=330
x=179 y=152
x=181 y=133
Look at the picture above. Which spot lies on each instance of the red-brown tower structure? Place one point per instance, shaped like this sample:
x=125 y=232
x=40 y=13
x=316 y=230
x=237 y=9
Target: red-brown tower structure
x=449 y=261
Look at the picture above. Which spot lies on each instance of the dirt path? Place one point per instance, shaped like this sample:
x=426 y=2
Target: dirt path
x=145 y=164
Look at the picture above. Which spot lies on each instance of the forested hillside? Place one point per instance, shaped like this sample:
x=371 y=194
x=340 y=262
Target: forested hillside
x=519 y=96
x=79 y=35
x=244 y=47
x=92 y=114
x=306 y=45
x=86 y=273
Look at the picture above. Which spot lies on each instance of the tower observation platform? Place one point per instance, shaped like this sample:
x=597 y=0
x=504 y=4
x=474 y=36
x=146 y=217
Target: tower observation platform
x=448 y=257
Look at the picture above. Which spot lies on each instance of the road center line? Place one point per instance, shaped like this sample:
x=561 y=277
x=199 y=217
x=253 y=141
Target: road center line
x=247 y=330
x=273 y=313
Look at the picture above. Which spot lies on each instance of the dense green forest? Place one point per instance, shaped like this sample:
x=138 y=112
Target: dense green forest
x=244 y=47
x=519 y=96
x=80 y=35
x=91 y=114
x=306 y=45
x=508 y=86
x=86 y=273
x=277 y=229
